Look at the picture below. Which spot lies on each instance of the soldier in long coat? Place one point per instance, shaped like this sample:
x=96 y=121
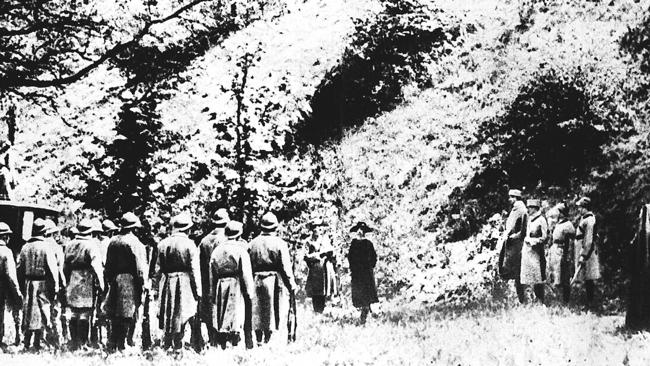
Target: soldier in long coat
x=560 y=257
x=206 y=247
x=84 y=271
x=10 y=294
x=274 y=279
x=362 y=259
x=532 y=252
x=100 y=329
x=126 y=273
x=512 y=242
x=586 y=249
x=38 y=275
x=638 y=304
x=178 y=264
x=231 y=288
x=58 y=311
x=321 y=278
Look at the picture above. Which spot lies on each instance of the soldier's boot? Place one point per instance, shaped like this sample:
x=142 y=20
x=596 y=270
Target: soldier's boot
x=248 y=338
x=83 y=330
x=364 y=314
x=521 y=292
x=94 y=335
x=539 y=292
x=16 y=316
x=131 y=331
x=74 y=333
x=27 y=339
x=38 y=336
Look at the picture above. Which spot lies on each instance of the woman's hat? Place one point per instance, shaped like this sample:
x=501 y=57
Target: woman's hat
x=85 y=227
x=221 y=217
x=182 y=222
x=361 y=226
x=4 y=228
x=269 y=222
x=234 y=229
x=130 y=220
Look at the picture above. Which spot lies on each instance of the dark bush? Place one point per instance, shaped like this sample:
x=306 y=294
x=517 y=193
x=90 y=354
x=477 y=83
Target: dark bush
x=388 y=51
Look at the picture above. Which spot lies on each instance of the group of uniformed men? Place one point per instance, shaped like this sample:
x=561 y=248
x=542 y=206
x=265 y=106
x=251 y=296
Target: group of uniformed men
x=571 y=252
x=89 y=291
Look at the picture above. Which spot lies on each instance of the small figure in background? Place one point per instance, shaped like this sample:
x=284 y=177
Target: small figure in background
x=362 y=259
x=321 y=262
x=533 y=268
x=560 y=260
x=10 y=294
x=586 y=250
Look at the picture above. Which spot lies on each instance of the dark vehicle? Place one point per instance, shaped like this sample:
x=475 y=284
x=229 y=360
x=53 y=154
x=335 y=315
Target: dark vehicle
x=20 y=216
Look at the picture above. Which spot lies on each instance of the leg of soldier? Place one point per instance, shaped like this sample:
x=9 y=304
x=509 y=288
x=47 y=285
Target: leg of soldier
x=16 y=315
x=38 y=335
x=267 y=335
x=64 y=325
x=167 y=341
x=538 y=289
x=54 y=333
x=221 y=339
x=234 y=339
x=566 y=293
x=364 y=314
x=131 y=329
x=74 y=332
x=521 y=291
x=318 y=303
x=2 y=321
x=259 y=334
x=590 y=289
x=84 y=329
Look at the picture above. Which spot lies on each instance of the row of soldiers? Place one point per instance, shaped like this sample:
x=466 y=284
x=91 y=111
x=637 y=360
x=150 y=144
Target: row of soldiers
x=101 y=279
x=537 y=247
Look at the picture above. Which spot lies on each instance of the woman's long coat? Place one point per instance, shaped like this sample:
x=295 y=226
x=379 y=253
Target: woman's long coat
x=362 y=259
x=84 y=272
x=321 y=278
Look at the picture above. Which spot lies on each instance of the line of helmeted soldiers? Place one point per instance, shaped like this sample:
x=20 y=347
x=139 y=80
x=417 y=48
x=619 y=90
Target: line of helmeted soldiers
x=102 y=277
x=572 y=255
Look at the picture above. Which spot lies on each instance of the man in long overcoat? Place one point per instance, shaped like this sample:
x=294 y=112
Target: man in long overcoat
x=103 y=231
x=10 y=294
x=206 y=247
x=512 y=241
x=38 y=275
x=560 y=259
x=178 y=266
x=638 y=304
x=586 y=250
x=231 y=288
x=57 y=309
x=84 y=271
x=274 y=279
x=533 y=266
x=362 y=259
x=126 y=273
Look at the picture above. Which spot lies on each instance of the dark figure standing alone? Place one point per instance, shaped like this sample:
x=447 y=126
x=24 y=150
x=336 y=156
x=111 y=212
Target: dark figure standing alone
x=362 y=258
x=512 y=241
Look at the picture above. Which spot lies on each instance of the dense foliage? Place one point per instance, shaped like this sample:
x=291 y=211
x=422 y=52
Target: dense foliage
x=389 y=50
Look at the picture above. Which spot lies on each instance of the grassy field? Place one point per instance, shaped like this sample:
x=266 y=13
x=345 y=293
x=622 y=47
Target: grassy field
x=520 y=335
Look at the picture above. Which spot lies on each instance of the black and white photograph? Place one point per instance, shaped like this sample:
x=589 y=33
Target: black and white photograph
x=325 y=182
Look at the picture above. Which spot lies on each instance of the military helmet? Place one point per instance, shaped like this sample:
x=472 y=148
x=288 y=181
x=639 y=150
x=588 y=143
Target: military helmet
x=234 y=229
x=4 y=228
x=269 y=222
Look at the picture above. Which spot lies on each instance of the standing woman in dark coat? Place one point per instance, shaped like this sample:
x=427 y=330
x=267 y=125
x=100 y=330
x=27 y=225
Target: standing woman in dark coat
x=362 y=259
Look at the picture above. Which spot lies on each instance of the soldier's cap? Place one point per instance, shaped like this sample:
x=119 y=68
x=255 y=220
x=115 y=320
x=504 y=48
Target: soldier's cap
x=534 y=202
x=108 y=225
x=584 y=202
x=85 y=227
x=130 y=220
x=4 y=228
x=562 y=209
x=221 y=217
x=269 y=222
x=97 y=226
x=361 y=226
x=39 y=227
x=514 y=193
x=234 y=229
x=182 y=221
x=50 y=227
